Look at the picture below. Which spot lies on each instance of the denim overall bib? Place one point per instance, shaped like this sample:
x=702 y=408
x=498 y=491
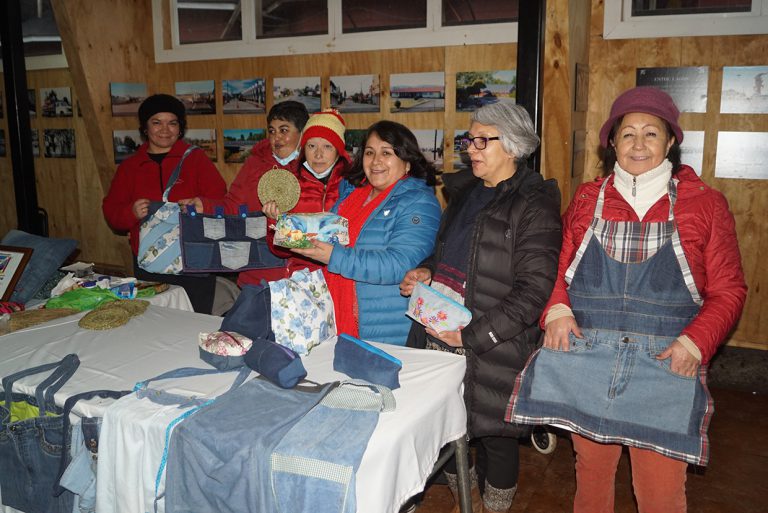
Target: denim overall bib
x=632 y=293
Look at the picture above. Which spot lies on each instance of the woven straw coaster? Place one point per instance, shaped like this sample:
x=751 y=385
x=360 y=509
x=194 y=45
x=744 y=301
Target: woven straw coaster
x=134 y=307
x=280 y=186
x=104 y=318
x=29 y=318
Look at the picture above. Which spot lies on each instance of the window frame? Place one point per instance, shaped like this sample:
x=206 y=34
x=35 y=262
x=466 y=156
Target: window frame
x=434 y=34
x=618 y=22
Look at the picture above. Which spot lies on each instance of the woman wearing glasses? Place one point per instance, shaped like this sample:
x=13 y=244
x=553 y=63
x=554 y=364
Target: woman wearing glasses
x=496 y=252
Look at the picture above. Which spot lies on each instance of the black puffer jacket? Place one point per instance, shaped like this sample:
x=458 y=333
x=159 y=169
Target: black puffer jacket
x=511 y=270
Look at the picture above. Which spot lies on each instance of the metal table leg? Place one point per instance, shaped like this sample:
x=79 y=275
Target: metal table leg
x=461 y=451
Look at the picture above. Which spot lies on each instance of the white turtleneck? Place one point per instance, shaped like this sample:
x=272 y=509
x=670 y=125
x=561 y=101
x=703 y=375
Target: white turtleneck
x=642 y=191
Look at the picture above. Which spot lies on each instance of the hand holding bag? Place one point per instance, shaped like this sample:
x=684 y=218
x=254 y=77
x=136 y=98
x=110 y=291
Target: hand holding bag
x=361 y=360
x=434 y=310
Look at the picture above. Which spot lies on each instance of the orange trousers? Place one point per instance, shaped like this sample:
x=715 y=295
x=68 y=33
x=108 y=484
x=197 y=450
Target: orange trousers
x=658 y=481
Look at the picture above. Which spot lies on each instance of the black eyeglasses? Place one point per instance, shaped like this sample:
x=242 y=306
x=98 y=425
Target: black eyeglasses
x=479 y=142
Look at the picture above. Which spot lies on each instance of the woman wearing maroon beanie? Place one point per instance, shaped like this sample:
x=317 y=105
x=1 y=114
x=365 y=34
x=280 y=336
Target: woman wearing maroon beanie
x=649 y=284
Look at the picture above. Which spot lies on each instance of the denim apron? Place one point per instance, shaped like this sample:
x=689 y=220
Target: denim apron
x=31 y=448
x=632 y=293
x=313 y=468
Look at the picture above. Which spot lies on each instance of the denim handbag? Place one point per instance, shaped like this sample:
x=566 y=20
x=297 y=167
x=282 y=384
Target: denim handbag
x=33 y=441
x=250 y=316
x=361 y=360
x=159 y=244
x=225 y=243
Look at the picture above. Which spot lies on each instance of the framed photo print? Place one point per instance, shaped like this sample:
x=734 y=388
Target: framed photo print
x=13 y=260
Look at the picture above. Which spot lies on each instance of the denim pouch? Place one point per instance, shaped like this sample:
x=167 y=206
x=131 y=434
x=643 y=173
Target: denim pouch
x=279 y=364
x=251 y=314
x=361 y=360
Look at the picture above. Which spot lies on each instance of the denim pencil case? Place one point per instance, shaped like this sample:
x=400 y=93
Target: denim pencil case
x=279 y=364
x=361 y=360
x=435 y=310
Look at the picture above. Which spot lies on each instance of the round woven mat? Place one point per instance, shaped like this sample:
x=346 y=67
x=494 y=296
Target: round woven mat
x=28 y=318
x=280 y=186
x=134 y=307
x=104 y=318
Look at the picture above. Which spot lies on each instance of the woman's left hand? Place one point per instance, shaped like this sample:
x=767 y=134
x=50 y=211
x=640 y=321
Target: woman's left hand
x=683 y=362
x=452 y=338
x=320 y=251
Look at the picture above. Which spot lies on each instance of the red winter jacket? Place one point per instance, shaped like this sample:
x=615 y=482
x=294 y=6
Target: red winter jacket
x=708 y=236
x=140 y=177
x=315 y=197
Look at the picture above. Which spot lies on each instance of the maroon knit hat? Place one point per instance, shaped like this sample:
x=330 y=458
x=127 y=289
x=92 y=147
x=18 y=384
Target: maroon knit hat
x=648 y=100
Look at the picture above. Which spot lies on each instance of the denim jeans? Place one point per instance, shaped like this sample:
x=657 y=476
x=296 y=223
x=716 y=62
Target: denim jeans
x=313 y=467
x=31 y=449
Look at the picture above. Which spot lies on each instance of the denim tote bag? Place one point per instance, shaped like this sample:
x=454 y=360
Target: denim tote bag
x=313 y=467
x=33 y=440
x=77 y=470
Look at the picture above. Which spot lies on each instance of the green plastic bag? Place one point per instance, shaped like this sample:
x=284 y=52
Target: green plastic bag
x=82 y=299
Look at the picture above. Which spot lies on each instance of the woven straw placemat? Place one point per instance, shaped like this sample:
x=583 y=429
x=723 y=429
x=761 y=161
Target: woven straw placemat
x=105 y=318
x=134 y=307
x=29 y=318
x=280 y=186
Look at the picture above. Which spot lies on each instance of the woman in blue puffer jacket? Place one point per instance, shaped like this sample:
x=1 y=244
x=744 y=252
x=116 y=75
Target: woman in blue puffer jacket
x=393 y=215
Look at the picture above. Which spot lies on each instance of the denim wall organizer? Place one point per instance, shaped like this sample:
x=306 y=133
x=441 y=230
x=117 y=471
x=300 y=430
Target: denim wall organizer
x=225 y=243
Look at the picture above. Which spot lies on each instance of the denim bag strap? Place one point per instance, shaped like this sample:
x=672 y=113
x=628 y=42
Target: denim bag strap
x=64 y=369
x=166 y=398
x=68 y=405
x=176 y=172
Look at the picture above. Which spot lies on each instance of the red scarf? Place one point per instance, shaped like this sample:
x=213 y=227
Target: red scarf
x=342 y=289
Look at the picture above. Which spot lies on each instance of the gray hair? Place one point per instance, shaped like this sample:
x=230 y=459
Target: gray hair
x=514 y=125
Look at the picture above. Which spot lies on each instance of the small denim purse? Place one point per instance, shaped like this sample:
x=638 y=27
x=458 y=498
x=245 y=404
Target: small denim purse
x=361 y=360
x=223 y=349
x=435 y=310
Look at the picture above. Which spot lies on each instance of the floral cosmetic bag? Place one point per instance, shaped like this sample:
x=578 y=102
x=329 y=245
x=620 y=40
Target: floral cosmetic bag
x=299 y=230
x=302 y=311
x=435 y=310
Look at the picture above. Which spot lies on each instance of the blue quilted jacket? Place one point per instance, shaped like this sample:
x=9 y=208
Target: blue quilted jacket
x=397 y=236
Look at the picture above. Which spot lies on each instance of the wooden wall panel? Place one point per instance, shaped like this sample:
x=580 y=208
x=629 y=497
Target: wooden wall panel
x=612 y=70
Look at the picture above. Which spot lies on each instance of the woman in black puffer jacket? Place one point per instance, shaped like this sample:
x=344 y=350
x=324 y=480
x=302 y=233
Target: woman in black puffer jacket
x=496 y=252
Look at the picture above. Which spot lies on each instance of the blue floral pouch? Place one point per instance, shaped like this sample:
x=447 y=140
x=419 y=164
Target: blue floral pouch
x=361 y=360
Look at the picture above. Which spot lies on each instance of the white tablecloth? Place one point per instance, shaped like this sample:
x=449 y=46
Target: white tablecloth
x=401 y=453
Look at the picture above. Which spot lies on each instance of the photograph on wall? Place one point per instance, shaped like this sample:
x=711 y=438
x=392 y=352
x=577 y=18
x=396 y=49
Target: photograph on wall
x=238 y=143
x=477 y=88
x=742 y=155
x=301 y=89
x=126 y=97
x=198 y=97
x=356 y=93
x=204 y=138
x=417 y=92
x=687 y=86
x=35 y=143
x=32 y=103
x=2 y=143
x=59 y=142
x=354 y=140
x=431 y=146
x=56 y=102
x=125 y=143
x=745 y=90
x=244 y=96
x=13 y=260
x=460 y=158
x=692 y=150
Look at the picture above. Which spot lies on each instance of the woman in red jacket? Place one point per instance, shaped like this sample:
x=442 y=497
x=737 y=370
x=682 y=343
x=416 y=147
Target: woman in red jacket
x=143 y=177
x=649 y=284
